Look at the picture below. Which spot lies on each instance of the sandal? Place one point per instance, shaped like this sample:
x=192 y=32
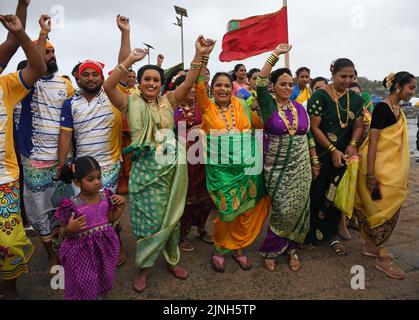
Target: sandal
x=178 y=272
x=270 y=265
x=186 y=246
x=217 y=262
x=243 y=262
x=295 y=264
x=339 y=248
x=390 y=269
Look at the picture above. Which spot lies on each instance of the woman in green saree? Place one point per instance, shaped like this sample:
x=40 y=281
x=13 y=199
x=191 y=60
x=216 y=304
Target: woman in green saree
x=159 y=178
x=336 y=115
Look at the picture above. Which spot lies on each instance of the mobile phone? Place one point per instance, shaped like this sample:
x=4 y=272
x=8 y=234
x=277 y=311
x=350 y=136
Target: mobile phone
x=376 y=193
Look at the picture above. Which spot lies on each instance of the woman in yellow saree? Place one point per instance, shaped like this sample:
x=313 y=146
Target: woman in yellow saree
x=384 y=172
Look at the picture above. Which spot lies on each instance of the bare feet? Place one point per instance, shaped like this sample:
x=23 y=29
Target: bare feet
x=295 y=264
x=270 y=265
x=140 y=282
x=178 y=272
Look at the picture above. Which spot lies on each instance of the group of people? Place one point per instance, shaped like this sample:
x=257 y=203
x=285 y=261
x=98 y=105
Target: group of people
x=272 y=150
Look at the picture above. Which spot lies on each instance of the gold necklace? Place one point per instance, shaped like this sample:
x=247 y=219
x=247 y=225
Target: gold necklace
x=292 y=128
x=349 y=114
x=232 y=128
x=158 y=105
x=393 y=109
x=188 y=112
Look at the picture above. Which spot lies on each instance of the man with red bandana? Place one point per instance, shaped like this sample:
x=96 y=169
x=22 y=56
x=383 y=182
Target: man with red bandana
x=93 y=125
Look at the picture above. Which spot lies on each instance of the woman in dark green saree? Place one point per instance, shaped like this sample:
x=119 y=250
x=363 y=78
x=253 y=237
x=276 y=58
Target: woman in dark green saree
x=336 y=115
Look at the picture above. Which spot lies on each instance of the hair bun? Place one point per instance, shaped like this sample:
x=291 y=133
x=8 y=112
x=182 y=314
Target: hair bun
x=390 y=80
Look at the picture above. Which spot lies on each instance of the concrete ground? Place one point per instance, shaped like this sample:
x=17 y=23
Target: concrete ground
x=323 y=275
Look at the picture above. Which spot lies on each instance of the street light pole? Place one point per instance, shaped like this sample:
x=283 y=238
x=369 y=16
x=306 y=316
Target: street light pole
x=148 y=47
x=183 y=13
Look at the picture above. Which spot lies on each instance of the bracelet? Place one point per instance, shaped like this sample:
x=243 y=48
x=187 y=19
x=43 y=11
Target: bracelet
x=42 y=33
x=204 y=61
x=262 y=82
x=273 y=59
x=122 y=69
x=371 y=176
x=354 y=143
x=331 y=148
x=195 y=66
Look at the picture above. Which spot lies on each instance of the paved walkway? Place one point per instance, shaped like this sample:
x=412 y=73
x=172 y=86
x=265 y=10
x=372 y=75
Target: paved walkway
x=323 y=275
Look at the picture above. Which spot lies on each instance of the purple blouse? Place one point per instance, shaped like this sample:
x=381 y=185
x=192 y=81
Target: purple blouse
x=276 y=126
x=96 y=214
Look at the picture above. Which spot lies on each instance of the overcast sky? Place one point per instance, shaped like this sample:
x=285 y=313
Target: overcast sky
x=380 y=36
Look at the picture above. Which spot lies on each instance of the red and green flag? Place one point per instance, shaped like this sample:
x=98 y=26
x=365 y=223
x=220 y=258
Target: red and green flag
x=255 y=35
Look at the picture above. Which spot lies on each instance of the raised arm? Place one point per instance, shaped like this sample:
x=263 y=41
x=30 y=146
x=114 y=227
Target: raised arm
x=36 y=65
x=203 y=47
x=263 y=95
x=9 y=47
x=273 y=59
x=45 y=24
x=160 y=59
x=124 y=26
x=119 y=100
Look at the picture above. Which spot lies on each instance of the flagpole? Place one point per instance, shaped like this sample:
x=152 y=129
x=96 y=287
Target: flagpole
x=287 y=55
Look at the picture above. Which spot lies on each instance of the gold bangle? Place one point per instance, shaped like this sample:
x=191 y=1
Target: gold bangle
x=272 y=60
x=204 y=61
x=42 y=33
x=195 y=66
x=354 y=143
x=122 y=69
x=331 y=148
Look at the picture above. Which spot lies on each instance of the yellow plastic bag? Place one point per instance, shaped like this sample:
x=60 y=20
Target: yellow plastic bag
x=346 y=190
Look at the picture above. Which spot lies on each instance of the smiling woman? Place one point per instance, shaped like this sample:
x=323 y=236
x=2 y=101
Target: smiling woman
x=336 y=115
x=287 y=167
x=384 y=172
x=159 y=179
x=239 y=196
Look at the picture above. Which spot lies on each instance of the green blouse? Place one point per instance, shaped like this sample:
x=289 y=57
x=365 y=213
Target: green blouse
x=321 y=105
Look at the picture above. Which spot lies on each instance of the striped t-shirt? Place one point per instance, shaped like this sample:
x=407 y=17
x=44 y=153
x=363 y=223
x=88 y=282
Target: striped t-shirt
x=96 y=127
x=39 y=125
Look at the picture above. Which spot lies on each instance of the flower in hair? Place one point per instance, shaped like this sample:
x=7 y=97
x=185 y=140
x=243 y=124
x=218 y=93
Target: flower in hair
x=390 y=80
x=332 y=66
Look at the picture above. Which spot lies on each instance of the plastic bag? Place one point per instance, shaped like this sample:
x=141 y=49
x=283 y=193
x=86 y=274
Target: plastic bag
x=62 y=191
x=346 y=190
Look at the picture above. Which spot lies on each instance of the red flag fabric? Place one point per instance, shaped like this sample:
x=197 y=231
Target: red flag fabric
x=255 y=35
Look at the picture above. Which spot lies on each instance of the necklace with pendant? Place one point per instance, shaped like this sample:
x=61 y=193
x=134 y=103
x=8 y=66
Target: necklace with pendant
x=223 y=111
x=188 y=112
x=292 y=127
x=349 y=114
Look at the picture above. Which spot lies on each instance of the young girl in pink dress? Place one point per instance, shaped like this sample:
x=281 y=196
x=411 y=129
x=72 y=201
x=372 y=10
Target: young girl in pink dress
x=90 y=250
